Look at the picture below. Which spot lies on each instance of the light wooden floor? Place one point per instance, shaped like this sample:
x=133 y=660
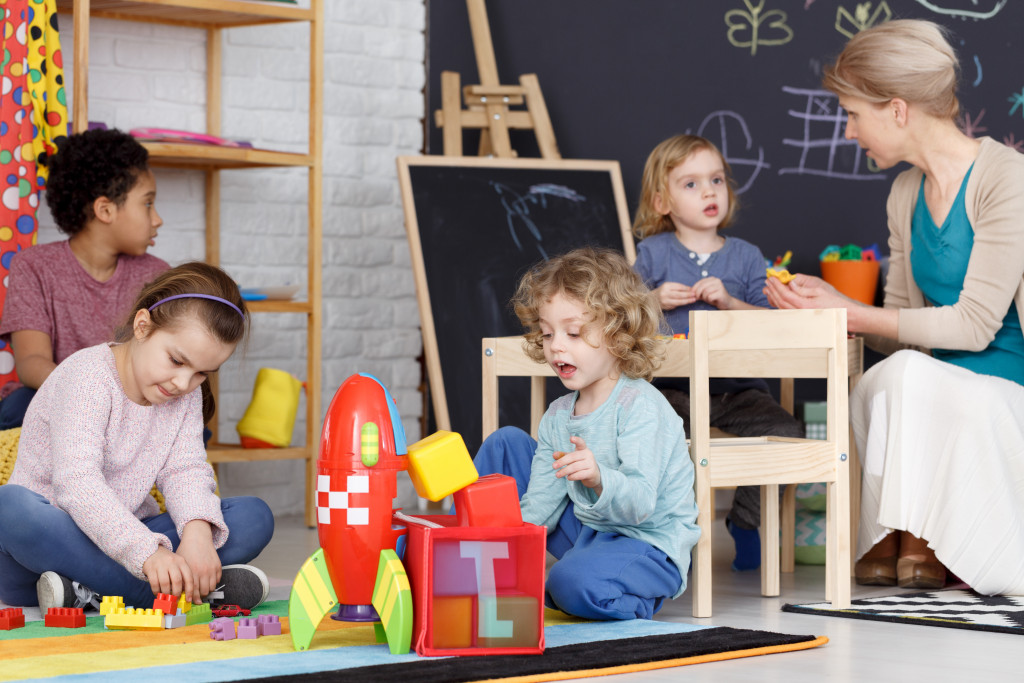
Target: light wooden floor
x=858 y=650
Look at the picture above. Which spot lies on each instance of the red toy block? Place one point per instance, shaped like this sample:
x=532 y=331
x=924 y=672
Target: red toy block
x=65 y=617
x=167 y=603
x=11 y=618
x=490 y=501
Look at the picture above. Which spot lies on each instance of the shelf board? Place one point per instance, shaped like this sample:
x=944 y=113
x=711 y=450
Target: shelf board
x=268 y=306
x=183 y=155
x=225 y=452
x=198 y=13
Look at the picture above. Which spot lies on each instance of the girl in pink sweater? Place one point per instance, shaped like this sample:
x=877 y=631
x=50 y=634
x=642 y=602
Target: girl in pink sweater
x=77 y=518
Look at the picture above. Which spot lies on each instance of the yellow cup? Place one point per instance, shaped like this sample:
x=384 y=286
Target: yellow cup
x=270 y=418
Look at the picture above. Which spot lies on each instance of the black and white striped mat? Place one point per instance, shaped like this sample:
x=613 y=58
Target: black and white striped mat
x=950 y=608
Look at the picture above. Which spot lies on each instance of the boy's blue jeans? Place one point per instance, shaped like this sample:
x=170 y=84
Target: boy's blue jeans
x=599 y=574
x=36 y=536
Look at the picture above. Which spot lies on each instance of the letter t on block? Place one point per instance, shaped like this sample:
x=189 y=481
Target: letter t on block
x=484 y=553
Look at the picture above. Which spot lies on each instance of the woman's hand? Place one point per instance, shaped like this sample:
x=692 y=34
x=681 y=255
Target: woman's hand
x=580 y=465
x=673 y=295
x=196 y=549
x=805 y=291
x=168 y=573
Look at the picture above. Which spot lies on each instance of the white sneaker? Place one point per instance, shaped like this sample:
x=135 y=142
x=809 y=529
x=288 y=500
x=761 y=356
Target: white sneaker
x=242 y=585
x=54 y=590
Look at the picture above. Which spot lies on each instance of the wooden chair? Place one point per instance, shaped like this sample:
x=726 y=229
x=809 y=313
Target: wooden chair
x=808 y=343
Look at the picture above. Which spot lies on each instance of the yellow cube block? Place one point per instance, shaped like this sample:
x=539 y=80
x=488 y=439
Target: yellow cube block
x=439 y=465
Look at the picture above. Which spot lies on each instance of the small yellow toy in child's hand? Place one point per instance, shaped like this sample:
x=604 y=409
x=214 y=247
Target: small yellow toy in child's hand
x=783 y=275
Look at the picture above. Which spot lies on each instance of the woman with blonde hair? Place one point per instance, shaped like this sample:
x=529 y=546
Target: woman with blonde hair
x=940 y=423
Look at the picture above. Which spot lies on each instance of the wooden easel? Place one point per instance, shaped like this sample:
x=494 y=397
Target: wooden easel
x=488 y=104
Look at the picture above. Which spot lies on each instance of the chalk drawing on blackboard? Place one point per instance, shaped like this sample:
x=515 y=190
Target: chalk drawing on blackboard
x=977 y=65
x=517 y=209
x=954 y=9
x=1017 y=99
x=745 y=169
x=750 y=20
x=852 y=24
x=1010 y=141
x=824 y=150
x=972 y=127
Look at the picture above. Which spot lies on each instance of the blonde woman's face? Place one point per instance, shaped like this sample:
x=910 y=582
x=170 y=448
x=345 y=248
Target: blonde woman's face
x=873 y=127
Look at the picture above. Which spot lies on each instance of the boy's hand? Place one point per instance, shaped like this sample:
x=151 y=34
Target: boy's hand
x=168 y=573
x=673 y=295
x=711 y=290
x=196 y=548
x=580 y=465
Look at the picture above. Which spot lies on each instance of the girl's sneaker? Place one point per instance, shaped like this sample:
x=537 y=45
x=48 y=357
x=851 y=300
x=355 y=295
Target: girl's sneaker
x=54 y=590
x=242 y=585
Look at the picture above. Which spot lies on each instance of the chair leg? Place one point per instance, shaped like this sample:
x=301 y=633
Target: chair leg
x=770 y=540
x=701 y=578
x=788 y=552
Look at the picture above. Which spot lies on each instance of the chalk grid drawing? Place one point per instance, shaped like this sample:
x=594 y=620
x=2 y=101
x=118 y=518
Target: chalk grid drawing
x=954 y=8
x=852 y=24
x=824 y=150
x=751 y=19
x=722 y=126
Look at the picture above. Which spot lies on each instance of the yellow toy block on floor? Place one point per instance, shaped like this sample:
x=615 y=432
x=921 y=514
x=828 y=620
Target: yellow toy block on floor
x=440 y=465
x=131 y=619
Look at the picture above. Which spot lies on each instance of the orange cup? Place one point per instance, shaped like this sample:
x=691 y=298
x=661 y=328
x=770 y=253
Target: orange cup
x=856 y=279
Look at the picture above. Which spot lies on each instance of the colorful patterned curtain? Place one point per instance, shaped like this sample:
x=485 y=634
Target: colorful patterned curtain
x=33 y=118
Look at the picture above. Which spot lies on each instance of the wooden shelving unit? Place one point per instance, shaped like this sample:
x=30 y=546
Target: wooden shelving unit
x=214 y=16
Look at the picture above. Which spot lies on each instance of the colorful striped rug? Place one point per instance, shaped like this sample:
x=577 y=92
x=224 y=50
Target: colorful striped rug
x=574 y=649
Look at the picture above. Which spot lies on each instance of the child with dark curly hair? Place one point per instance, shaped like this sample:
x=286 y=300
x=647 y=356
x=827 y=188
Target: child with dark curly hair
x=611 y=476
x=68 y=295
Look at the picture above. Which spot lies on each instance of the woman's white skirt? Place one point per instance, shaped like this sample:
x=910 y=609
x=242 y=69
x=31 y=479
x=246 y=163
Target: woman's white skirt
x=943 y=456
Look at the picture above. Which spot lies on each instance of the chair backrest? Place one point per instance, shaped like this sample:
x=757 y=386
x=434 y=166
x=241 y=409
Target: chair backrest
x=772 y=343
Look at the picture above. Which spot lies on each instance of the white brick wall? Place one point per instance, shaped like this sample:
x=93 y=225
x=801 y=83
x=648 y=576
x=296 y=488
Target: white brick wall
x=152 y=75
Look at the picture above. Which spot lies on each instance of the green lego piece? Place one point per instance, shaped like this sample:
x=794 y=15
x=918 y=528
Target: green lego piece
x=199 y=614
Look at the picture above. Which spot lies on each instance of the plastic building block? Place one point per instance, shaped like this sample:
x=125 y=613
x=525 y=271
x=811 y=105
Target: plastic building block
x=167 y=603
x=222 y=628
x=111 y=603
x=453 y=621
x=184 y=604
x=132 y=619
x=312 y=597
x=199 y=614
x=489 y=501
x=11 y=618
x=248 y=628
x=175 y=620
x=268 y=625
x=65 y=617
x=440 y=465
x=392 y=598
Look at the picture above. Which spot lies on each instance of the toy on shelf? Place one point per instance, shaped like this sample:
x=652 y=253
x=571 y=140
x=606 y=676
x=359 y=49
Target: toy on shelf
x=470 y=583
x=270 y=418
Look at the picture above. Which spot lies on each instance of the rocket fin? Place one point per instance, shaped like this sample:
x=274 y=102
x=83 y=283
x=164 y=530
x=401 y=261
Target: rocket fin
x=312 y=597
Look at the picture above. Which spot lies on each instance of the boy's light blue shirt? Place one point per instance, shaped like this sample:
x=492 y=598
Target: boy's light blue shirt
x=646 y=474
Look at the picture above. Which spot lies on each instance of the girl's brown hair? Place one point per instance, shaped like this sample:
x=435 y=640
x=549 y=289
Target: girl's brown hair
x=906 y=58
x=222 y=321
x=620 y=306
x=660 y=162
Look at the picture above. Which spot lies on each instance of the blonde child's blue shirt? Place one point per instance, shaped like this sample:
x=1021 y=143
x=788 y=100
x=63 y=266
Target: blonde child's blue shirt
x=639 y=443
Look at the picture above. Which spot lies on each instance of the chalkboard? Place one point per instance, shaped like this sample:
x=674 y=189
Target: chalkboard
x=619 y=76
x=475 y=225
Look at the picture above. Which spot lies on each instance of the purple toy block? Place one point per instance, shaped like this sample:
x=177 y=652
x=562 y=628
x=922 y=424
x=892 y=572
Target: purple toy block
x=222 y=628
x=247 y=628
x=268 y=625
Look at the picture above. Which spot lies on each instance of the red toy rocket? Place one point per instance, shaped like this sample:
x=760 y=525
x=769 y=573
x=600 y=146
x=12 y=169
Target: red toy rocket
x=362 y=449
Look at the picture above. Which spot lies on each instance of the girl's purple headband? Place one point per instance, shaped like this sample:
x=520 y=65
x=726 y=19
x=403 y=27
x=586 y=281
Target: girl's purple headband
x=199 y=296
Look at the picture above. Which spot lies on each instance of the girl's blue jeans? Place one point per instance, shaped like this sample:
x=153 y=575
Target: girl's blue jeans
x=36 y=536
x=599 y=574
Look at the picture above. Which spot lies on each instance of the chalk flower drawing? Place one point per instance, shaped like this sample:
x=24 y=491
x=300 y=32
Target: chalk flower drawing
x=1017 y=99
x=971 y=127
x=1010 y=141
x=862 y=18
x=745 y=26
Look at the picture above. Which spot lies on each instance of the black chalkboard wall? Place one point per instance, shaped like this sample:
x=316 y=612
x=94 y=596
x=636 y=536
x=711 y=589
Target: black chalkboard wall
x=618 y=76
x=475 y=226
